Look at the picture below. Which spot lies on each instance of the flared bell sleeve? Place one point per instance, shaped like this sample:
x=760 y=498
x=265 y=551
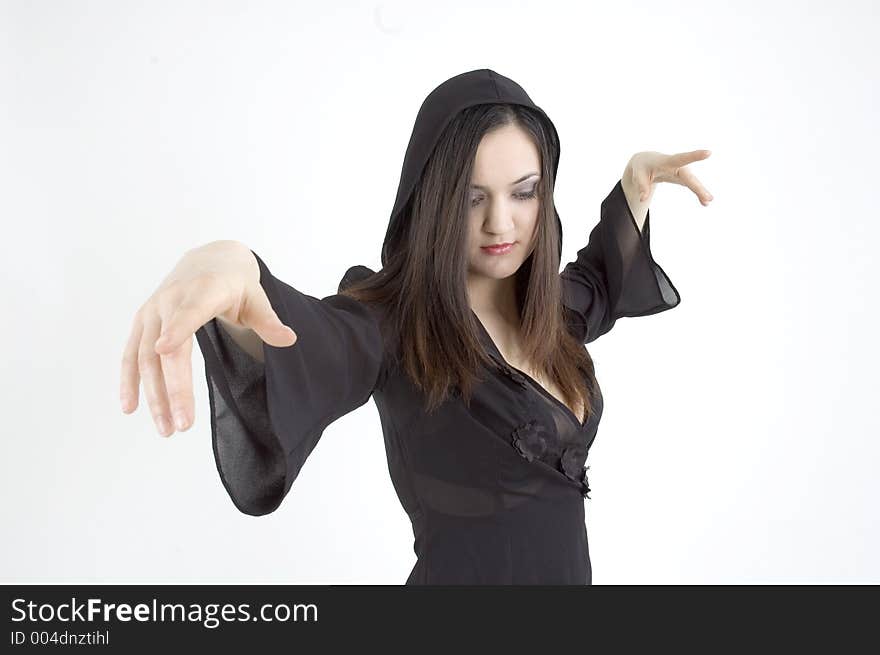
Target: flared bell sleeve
x=267 y=417
x=615 y=274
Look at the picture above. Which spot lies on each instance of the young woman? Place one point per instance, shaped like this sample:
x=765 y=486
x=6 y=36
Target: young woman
x=469 y=340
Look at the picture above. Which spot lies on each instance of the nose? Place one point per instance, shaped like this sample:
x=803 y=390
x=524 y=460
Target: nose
x=499 y=219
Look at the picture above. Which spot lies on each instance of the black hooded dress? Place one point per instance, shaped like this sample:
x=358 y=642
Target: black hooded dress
x=495 y=492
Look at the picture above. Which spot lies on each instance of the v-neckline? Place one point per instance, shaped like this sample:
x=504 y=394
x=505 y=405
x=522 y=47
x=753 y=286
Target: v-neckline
x=540 y=387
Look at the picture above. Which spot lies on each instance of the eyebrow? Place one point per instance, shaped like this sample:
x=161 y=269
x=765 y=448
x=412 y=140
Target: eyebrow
x=522 y=179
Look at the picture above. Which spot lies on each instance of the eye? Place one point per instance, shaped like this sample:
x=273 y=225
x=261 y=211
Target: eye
x=528 y=195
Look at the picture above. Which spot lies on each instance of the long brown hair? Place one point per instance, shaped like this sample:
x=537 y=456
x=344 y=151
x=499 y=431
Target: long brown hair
x=422 y=287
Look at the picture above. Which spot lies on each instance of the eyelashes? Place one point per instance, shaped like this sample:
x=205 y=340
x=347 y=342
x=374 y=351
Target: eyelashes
x=528 y=195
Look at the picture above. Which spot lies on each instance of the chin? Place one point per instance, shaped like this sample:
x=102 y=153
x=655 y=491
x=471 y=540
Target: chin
x=500 y=272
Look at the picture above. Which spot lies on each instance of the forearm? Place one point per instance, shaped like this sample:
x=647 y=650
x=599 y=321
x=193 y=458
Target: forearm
x=638 y=207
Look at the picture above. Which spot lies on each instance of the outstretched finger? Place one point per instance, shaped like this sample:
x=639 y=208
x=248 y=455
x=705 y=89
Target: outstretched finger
x=177 y=374
x=152 y=376
x=130 y=378
x=684 y=158
x=690 y=180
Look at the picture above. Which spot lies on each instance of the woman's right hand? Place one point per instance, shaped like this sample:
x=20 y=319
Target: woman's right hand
x=221 y=278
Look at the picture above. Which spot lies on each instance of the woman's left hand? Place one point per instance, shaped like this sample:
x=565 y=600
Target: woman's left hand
x=646 y=168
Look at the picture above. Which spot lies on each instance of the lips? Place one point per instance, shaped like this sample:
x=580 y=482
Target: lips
x=498 y=249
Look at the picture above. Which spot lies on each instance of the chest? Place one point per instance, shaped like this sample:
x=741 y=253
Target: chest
x=550 y=388
x=544 y=385
x=512 y=440
x=553 y=389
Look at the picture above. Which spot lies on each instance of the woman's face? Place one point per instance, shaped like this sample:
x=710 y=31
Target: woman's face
x=503 y=202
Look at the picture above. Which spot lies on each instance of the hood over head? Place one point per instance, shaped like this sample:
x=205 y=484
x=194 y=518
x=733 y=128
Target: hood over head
x=483 y=86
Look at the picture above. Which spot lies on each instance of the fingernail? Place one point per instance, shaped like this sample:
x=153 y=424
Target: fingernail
x=180 y=420
x=162 y=425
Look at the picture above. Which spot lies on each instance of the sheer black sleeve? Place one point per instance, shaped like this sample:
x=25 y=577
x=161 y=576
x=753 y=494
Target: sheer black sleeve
x=267 y=417
x=615 y=274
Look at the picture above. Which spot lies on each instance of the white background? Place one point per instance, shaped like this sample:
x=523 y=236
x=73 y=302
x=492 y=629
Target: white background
x=740 y=440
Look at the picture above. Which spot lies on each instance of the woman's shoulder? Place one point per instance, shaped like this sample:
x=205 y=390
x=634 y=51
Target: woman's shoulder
x=381 y=317
x=356 y=274
x=353 y=275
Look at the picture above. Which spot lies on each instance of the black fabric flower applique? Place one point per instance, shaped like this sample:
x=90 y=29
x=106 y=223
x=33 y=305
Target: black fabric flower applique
x=529 y=440
x=510 y=372
x=585 y=483
x=572 y=463
x=573 y=458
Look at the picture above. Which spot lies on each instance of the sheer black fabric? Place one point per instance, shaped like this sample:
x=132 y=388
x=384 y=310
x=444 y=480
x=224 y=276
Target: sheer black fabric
x=495 y=492
x=268 y=416
x=614 y=275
